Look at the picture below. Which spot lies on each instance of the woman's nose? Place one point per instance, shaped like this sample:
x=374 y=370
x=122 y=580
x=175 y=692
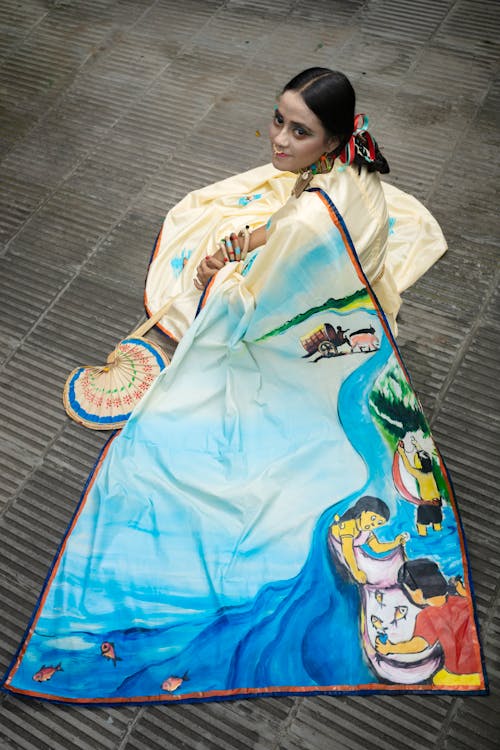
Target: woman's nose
x=281 y=139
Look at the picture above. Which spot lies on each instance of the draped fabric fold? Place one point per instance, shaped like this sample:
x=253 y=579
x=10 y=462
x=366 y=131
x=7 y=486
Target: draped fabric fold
x=219 y=549
x=395 y=235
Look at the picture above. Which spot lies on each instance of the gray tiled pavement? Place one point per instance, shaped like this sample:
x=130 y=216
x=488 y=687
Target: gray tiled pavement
x=110 y=111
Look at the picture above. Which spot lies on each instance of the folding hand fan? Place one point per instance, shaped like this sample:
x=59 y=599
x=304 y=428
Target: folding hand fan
x=102 y=397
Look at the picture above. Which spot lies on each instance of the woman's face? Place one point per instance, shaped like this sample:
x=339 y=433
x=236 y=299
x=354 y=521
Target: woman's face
x=370 y=520
x=298 y=138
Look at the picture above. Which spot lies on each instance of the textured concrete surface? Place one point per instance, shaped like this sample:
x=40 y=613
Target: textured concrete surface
x=110 y=111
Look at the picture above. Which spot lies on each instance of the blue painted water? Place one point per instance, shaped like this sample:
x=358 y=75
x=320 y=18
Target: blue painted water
x=299 y=632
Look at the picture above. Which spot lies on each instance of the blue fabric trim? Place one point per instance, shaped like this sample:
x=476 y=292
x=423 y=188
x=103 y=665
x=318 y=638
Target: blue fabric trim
x=262 y=694
x=367 y=283
x=443 y=464
x=404 y=690
x=202 y=298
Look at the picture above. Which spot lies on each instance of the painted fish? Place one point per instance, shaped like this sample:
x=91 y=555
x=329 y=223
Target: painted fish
x=377 y=622
x=173 y=682
x=108 y=651
x=46 y=673
x=379 y=597
x=399 y=614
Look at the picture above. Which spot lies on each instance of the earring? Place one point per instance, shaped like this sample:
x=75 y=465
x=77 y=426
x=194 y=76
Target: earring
x=322 y=166
x=303 y=181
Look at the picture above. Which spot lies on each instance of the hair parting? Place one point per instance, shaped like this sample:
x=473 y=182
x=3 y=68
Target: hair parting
x=330 y=95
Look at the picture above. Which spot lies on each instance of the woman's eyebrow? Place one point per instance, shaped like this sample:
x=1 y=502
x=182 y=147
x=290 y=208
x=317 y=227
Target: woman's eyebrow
x=293 y=122
x=301 y=125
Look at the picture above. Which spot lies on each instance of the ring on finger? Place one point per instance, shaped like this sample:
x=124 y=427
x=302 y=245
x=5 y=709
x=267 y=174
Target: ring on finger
x=236 y=246
x=230 y=248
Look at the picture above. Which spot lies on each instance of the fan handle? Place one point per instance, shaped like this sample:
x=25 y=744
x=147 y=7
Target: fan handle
x=150 y=322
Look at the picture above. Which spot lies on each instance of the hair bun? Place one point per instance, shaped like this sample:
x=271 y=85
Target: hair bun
x=362 y=149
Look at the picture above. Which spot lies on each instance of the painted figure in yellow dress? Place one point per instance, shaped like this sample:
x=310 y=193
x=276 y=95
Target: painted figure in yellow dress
x=356 y=527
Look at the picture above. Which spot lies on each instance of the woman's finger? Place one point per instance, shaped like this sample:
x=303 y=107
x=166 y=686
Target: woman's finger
x=205 y=270
x=229 y=247
x=198 y=284
x=245 y=233
x=236 y=245
x=221 y=247
x=201 y=277
x=214 y=263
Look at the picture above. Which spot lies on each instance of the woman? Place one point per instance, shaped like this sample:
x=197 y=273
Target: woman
x=311 y=134
x=196 y=567
x=356 y=527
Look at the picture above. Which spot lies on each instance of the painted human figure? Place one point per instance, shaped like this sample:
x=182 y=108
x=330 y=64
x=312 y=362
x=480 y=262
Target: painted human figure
x=355 y=528
x=340 y=337
x=429 y=510
x=444 y=619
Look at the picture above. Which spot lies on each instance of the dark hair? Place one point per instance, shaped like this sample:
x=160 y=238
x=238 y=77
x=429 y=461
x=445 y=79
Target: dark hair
x=330 y=95
x=369 y=503
x=423 y=574
x=425 y=462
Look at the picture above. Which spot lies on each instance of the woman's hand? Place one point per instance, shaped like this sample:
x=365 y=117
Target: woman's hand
x=360 y=576
x=234 y=247
x=206 y=269
x=383 y=648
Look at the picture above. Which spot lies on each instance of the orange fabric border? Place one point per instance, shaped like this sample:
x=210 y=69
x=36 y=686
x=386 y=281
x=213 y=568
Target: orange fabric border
x=355 y=261
x=371 y=687
x=54 y=569
x=274 y=690
x=146 y=303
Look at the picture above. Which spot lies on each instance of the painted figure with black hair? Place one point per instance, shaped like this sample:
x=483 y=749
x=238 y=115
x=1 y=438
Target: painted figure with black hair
x=429 y=512
x=356 y=527
x=446 y=618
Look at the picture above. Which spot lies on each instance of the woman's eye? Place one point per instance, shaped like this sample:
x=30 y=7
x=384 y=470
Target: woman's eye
x=278 y=119
x=300 y=132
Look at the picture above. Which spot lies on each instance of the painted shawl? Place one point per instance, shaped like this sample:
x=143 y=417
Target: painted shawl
x=202 y=562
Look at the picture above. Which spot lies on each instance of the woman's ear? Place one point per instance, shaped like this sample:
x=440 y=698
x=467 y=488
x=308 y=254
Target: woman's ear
x=332 y=144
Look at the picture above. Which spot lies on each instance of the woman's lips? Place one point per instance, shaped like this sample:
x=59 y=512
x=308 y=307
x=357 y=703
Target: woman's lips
x=280 y=154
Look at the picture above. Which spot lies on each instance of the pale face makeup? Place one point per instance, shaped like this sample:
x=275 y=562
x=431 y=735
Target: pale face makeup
x=298 y=137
